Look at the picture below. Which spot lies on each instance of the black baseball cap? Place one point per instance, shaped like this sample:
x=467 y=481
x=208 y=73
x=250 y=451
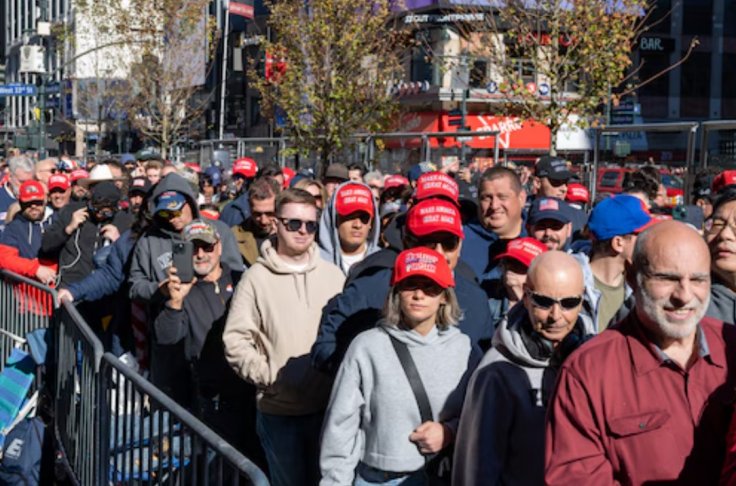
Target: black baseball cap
x=553 y=168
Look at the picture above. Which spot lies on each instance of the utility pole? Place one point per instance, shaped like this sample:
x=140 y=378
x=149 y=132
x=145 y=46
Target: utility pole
x=223 y=82
x=42 y=89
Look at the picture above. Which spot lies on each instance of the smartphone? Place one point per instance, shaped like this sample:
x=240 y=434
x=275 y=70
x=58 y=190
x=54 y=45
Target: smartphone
x=182 y=260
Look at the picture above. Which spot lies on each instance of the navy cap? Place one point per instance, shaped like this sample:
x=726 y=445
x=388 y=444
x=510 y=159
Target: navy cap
x=549 y=208
x=170 y=201
x=553 y=168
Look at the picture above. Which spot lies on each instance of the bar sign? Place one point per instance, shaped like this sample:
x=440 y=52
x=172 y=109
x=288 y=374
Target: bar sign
x=244 y=8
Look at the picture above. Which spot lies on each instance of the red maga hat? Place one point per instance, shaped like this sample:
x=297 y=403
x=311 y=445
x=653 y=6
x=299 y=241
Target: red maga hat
x=423 y=262
x=436 y=184
x=434 y=216
x=523 y=250
x=353 y=197
x=59 y=181
x=246 y=167
x=577 y=193
x=31 y=191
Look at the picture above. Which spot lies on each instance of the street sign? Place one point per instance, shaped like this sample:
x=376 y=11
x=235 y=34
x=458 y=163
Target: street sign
x=18 y=90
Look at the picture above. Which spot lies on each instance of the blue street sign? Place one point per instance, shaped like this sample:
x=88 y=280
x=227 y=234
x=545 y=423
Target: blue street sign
x=18 y=90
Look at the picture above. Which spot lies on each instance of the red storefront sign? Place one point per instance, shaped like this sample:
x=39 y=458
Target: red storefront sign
x=513 y=132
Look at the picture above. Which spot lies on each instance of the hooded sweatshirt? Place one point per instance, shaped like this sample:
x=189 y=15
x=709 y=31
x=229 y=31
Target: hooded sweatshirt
x=153 y=252
x=500 y=439
x=373 y=410
x=273 y=321
x=722 y=302
x=329 y=240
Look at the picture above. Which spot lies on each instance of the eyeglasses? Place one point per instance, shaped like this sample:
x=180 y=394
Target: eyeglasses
x=207 y=247
x=715 y=226
x=546 y=302
x=166 y=214
x=32 y=203
x=427 y=286
x=448 y=242
x=293 y=225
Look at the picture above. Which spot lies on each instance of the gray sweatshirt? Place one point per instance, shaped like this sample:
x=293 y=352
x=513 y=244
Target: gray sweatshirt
x=372 y=409
x=500 y=438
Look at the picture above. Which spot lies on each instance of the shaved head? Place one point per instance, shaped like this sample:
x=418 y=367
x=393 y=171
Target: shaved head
x=556 y=268
x=554 y=279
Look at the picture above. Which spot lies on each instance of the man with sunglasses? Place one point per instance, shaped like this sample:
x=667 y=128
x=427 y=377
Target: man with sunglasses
x=433 y=223
x=551 y=175
x=261 y=224
x=349 y=231
x=649 y=401
x=20 y=243
x=191 y=326
x=272 y=324
x=500 y=439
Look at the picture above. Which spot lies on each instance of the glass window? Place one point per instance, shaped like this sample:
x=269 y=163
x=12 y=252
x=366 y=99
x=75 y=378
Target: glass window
x=728 y=87
x=729 y=20
x=695 y=85
x=697 y=18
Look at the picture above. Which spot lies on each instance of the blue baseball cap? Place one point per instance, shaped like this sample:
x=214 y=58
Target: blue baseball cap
x=619 y=215
x=170 y=201
x=549 y=208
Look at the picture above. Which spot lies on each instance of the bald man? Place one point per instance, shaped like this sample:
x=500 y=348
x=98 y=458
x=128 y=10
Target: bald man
x=500 y=439
x=649 y=400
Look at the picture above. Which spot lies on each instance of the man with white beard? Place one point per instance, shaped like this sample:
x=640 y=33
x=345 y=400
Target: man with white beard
x=648 y=401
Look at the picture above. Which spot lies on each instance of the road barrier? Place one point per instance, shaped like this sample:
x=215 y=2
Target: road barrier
x=111 y=425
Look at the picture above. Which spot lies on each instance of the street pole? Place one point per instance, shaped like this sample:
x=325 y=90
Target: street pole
x=463 y=116
x=42 y=91
x=223 y=82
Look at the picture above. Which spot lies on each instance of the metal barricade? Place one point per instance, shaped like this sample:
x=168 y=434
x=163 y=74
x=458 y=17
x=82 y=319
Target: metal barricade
x=25 y=305
x=115 y=427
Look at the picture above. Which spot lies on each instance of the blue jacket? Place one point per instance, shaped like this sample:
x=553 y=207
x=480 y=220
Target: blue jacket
x=359 y=307
x=475 y=246
x=234 y=213
x=7 y=198
x=24 y=235
x=107 y=279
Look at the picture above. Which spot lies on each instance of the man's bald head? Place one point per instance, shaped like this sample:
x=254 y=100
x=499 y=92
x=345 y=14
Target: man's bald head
x=554 y=279
x=556 y=268
x=671 y=266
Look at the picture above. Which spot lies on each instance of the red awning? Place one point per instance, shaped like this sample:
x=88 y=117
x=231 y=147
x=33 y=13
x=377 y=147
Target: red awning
x=514 y=133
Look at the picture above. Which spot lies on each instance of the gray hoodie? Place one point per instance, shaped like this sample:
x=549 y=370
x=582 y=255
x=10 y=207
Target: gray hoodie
x=329 y=241
x=500 y=438
x=372 y=409
x=153 y=251
x=722 y=303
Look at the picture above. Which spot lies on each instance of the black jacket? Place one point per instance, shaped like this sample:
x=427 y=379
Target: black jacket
x=188 y=358
x=76 y=251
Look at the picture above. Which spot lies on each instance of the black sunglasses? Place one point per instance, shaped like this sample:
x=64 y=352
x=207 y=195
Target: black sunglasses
x=296 y=224
x=546 y=302
x=207 y=247
x=364 y=217
x=448 y=242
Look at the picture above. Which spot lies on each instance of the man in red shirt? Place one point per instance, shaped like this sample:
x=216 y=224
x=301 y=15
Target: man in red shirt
x=649 y=400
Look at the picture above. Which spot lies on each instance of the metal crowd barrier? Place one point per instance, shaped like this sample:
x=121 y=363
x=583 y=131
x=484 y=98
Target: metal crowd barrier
x=115 y=427
x=25 y=305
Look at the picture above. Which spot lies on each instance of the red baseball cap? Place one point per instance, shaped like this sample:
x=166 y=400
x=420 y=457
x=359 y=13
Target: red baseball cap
x=523 y=250
x=723 y=180
x=423 y=262
x=353 y=197
x=31 y=191
x=78 y=174
x=288 y=174
x=436 y=184
x=395 y=181
x=194 y=166
x=246 y=167
x=59 y=181
x=433 y=216
x=577 y=193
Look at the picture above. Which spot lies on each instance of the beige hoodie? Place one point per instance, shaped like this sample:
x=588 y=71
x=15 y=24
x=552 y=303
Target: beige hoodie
x=273 y=322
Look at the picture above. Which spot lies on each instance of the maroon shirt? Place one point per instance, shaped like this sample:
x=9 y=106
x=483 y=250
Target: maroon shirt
x=624 y=413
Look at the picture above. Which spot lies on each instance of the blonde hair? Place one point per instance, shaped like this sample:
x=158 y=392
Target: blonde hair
x=449 y=313
x=305 y=183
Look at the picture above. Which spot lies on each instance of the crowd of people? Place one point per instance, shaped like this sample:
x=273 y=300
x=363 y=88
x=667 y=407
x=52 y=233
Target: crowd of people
x=443 y=326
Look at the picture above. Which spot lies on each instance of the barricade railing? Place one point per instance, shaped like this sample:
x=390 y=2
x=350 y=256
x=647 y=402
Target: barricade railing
x=25 y=305
x=115 y=427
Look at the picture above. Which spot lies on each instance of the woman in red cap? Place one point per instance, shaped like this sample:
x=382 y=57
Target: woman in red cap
x=380 y=429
